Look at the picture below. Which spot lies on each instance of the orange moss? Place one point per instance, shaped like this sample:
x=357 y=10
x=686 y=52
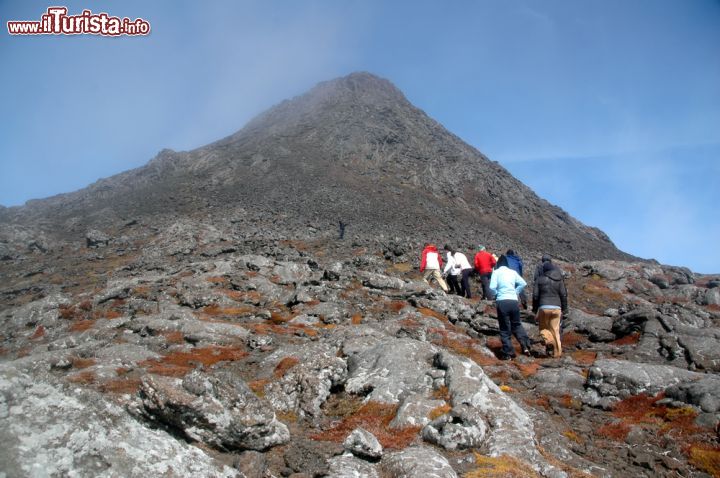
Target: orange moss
x=571 y=435
x=432 y=313
x=540 y=402
x=503 y=466
x=507 y=389
x=705 y=457
x=568 y=401
x=79 y=362
x=85 y=305
x=630 y=339
x=584 y=357
x=527 y=369
x=284 y=365
x=396 y=305
x=39 y=332
x=66 y=311
x=141 y=291
x=81 y=325
x=112 y=314
x=86 y=378
x=121 y=385
x=442 y=393
x=177 y=364
x=464 y=347
x=439 y=411
x=356 y=319
x=173 y=336
x=617 y=431
x=570 y=339
x=258 y=386
x=215 y=310
x=375 y=417
x=216 y=280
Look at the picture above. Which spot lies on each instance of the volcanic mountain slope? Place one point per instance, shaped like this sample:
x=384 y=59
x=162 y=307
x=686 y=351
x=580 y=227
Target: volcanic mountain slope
x=351 y=149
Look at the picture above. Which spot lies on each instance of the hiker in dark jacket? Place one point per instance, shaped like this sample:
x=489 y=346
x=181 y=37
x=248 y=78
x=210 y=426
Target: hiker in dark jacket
x=515 y=263
x=539 y=269
x=550 y=304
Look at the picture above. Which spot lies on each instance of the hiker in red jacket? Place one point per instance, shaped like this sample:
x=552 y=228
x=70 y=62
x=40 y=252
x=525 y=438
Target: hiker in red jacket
x=430 y=264
x=484 y=264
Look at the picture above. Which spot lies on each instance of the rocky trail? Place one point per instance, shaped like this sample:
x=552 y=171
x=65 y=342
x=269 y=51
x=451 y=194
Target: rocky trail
x=214 y=347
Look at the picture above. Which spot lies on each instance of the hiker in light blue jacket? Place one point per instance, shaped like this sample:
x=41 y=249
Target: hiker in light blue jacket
x=508 y=285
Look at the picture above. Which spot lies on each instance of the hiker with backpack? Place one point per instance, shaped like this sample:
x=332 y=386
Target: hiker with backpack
x=506 y=284
x=550 y=305
x=430 y=264
x=484 y=264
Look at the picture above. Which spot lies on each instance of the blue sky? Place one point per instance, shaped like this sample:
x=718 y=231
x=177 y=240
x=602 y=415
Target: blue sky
x=608 y=108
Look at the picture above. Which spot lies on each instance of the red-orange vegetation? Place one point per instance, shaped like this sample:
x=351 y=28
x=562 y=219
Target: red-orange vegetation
x=39 y=332
x=713 y=307
x=568 y=401
x=432 y=313
x=374 y=417
x=598 y=288
x=141 y=291
x=121 y=385
x=85 y=305
x=173 y=336
x=527 y=369
x=356 y=319
x=67 y=311
x=439 y=411
x=464 y=347
x=570 y=339
x=396 y=305
x=217 y=280
x=630 y=339
x=112 y=314
x=258 y=386
x=284 y=365
x=81 y=325
x=80 y=362
x=177 y=364
x=441 y=393
x=542 y=401
x=617 y=431
x=215 y=310
x=86 y=377
x=584 y=357
x=705 y=457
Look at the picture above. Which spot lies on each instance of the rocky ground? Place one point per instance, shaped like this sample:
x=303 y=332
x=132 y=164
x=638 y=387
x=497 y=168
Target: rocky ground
x=212 y=348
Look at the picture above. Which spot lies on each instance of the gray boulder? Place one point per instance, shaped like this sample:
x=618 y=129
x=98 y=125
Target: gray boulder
x=348 y=466
x=703 y=350
x=705 y=393
x=462 y=428
x=48 y=430
x=291 y=273
x=363 y=444
x=95 y=238
x=218 y=409
x=712 y=296
x=305 y=387
x=380 y=281
x=417 y=461
x=622 y=378
x=599 y=328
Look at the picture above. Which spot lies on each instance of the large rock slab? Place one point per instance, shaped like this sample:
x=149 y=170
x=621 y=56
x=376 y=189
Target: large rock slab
x=218 y=409
x=511 y=429
x=386 y=369
x=48 y=430
x=621 y=378
x=417 y=461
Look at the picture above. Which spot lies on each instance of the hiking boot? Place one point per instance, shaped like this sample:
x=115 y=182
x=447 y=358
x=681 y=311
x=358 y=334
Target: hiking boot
x=506 y=357
x=526 y=351
x=549 y=350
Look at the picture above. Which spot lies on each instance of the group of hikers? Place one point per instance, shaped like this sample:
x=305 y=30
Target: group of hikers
x=502 y=280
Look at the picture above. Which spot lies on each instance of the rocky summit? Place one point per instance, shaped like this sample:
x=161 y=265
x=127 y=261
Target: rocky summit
x=201 y=316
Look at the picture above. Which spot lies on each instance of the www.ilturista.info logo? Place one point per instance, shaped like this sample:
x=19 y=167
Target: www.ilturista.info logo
x=57 y=22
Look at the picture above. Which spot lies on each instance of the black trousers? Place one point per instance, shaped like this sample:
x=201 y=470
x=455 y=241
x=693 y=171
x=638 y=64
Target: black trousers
x=465 y=283
x=453 y=286
x=508 y=312
x=485 y=282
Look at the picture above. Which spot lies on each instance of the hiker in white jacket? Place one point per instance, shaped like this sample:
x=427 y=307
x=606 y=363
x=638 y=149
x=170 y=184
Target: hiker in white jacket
x=458 y=267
